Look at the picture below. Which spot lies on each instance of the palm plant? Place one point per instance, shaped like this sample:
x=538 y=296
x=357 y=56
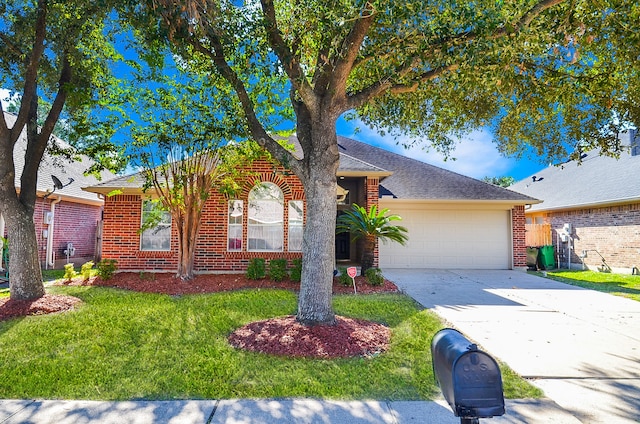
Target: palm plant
x=370 y=226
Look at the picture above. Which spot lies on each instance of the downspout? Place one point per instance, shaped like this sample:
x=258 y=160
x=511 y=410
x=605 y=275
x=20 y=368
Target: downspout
x=50 y=261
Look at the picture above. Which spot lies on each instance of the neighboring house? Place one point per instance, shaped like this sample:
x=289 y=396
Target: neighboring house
x=591 y=210
x=66 y=217
x=453 y=221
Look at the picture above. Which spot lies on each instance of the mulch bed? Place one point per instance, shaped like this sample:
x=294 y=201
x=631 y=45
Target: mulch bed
x=278 y=336
x=47 y=304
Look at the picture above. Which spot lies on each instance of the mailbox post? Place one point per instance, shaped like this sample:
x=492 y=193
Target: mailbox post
x=470 y=379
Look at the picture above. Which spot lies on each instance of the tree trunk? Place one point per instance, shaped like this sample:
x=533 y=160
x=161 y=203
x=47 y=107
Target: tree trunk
x=25 y=275
x=316 y=286
x=367 y=253
x=188 y=229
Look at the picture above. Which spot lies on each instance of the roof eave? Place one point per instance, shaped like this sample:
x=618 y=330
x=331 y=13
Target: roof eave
x=110 y=191
x=604 y=203
x=464 y=201
x=68 y=198
x=378 y=174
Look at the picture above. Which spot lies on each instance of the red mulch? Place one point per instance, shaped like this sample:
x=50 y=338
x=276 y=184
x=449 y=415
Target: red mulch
x=285 y=336
x=47 y=304
x=166 y=283
x=278 y=336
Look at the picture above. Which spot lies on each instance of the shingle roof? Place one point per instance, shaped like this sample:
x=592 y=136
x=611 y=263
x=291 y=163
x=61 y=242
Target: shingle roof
x=350 y=164
x=413 y=179
x=401 y=177
x=598 y=180
x=61 y=167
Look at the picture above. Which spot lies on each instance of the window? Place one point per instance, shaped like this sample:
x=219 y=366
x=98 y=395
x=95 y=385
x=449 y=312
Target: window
x=265 y=226
x=159 y=236
x=234 y=227
x=296 y=215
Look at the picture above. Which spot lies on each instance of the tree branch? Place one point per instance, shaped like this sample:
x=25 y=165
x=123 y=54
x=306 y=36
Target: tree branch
x=288 y=60
x=381 y=86
x=365 y=95
x=37 y=141
x=347 y=55
x=255 y=127
x=31 y=73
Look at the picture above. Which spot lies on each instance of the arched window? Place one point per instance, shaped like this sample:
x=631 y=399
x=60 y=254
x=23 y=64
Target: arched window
x=265 y=231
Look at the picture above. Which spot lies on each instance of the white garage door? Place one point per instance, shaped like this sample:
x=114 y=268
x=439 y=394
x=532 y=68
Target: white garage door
x=471 y=239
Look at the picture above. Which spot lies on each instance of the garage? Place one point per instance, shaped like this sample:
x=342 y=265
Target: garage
x=450 y=238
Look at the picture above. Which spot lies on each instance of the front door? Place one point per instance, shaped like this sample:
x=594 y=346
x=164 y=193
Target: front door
x=343 y=244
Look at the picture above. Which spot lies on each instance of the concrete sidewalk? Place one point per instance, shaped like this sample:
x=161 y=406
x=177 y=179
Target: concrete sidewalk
x=298 y=411
x=580 y=346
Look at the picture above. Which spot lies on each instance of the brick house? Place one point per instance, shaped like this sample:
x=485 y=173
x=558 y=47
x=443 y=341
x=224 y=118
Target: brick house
x=590 y=211
x=63 y=216
x=453 y=220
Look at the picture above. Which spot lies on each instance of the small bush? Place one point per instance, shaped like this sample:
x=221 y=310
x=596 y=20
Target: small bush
x=296 y=271
x=69 y=272
x=256 y=269
x=106 y=268
x=278 y=269
x=374 y=276
x=85 y=270
x=343 y=277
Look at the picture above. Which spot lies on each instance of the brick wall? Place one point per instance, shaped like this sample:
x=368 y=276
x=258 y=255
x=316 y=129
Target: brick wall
x=122 y=217
x=372 y=190
x=73 y=223
x=519 y=232
x=612 y=231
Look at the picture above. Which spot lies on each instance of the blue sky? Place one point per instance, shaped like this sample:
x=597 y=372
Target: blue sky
x=475 y=156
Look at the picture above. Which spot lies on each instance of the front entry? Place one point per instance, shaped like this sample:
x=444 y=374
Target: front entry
x=343 y=244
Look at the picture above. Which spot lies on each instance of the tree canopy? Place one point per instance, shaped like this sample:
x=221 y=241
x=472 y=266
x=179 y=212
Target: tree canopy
x=541 y=73
x=59 y=52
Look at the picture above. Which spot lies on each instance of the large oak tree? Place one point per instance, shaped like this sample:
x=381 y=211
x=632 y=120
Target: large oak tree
x=57 y=51
x=542 y=73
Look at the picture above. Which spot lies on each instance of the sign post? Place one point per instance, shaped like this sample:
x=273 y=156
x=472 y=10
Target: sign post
x=352 y=271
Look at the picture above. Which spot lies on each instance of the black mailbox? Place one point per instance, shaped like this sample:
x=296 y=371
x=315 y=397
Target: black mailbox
x=470 y=379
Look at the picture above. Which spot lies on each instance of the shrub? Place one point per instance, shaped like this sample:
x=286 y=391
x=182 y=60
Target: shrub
x=85 y=270
x=106 y=268
x=374 y=276
x=343 y=277
x=256 y=269
x=296 y=271
x=278 y=269
x=69 y=272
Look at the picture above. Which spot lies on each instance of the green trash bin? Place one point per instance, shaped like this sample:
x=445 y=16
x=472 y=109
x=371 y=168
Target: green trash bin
x=546 y=256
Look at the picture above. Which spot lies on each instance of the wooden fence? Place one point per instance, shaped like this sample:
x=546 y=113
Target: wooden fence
x=538 y=235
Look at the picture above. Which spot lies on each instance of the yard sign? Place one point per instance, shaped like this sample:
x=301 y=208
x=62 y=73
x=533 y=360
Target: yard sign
x=352 y=272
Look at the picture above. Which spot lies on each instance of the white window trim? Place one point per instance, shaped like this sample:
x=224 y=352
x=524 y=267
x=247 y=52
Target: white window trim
x=280 y=225
x=230 y=225
x=142 y=249
x=289 y=225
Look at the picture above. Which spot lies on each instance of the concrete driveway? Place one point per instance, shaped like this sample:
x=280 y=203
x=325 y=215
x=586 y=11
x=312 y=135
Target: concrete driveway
x=580 y=346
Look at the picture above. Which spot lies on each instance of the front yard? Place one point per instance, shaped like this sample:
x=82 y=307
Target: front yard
x=121 y=344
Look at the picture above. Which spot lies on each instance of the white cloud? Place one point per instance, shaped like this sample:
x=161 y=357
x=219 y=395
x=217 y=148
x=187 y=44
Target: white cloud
x=475 y=155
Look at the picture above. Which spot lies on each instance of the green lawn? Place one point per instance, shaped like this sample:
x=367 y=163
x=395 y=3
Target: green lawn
x=127 y=345
x=624 y=285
